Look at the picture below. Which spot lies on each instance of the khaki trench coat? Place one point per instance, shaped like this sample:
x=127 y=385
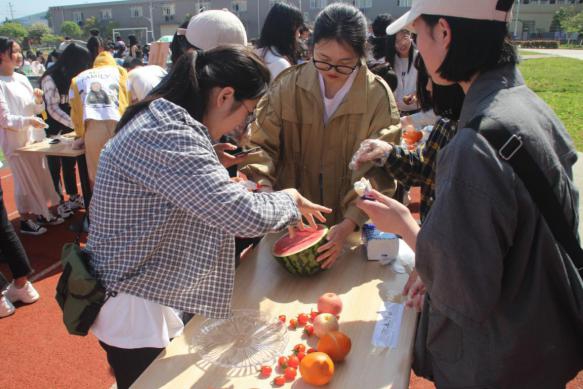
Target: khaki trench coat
x=300 y=151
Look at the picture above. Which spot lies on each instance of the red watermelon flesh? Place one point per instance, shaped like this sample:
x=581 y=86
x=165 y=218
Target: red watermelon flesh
x=286 y=246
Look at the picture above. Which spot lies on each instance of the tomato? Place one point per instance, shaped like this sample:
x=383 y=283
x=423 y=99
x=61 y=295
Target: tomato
x=309 y=330
x=310 y=350
x=303 y=319
x=265 y=371
x=290 y=373
x=299 y=348
x=282 y=318
x=293 y=324
x=282 y=362
x=313 y=315
x=279 y=380
x=293 y=361
x=301 y=355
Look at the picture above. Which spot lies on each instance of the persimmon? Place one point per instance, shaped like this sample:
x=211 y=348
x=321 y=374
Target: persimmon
x=336 y=344
x=317 y=368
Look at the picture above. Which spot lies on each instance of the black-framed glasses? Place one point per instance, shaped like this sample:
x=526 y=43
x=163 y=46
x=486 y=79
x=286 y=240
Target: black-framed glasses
x=250 y=114
x=342 y=69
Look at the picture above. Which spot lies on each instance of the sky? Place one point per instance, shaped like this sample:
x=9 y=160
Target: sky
x=27 y=7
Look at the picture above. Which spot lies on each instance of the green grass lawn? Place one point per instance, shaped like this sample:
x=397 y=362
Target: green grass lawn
x=559 y=82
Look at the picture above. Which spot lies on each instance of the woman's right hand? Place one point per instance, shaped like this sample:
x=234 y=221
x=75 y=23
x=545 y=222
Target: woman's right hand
x=371 y=150
x=308 y=210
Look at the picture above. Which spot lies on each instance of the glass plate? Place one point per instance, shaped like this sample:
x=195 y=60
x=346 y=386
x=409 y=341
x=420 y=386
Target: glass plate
x=246 y=340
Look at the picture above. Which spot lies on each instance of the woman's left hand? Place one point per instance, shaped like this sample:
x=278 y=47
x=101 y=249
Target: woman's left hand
x=38 y=96
x=337 y=236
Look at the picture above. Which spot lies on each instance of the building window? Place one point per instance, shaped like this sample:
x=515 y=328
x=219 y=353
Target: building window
x=316 y=4
x=239 y=6
x=168 y=9
x=363 y=4
x=78 y=16
x=404 y=3
x=528 y=26
x=203 y=5
x=106 y=14
x=136 y=12
x=306 y=16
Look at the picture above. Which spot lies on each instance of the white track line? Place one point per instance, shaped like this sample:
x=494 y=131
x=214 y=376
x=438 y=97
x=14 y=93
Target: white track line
x=44 y=272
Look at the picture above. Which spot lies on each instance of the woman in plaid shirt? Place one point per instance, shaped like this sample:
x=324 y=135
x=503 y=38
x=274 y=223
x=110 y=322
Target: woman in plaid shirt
x=165 y=213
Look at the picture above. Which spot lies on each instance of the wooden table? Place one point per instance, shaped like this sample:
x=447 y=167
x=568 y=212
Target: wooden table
x=262 y=284
x=64 y=149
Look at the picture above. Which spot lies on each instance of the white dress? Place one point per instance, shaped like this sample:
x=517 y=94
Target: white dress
x=33 y=187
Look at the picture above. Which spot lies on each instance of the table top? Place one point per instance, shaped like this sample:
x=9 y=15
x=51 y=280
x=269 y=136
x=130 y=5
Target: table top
x=262 y=284
x=61 y=149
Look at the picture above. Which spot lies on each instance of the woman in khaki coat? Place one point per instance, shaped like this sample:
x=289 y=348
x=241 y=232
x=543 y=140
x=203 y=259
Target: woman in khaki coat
x=314 y=118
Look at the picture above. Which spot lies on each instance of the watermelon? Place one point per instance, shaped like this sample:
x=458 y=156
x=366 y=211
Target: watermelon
x=298 y=255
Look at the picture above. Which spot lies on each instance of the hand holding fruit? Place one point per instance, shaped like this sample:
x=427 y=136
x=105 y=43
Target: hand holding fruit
x=371 y=150
x=391 y=216
x=329 y=252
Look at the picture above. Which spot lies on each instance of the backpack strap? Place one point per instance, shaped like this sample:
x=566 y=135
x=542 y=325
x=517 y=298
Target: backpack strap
x=509 y=148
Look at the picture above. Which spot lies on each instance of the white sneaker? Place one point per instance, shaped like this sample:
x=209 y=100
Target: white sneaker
x=27 y=294
x=6 y=307
x=76 y=202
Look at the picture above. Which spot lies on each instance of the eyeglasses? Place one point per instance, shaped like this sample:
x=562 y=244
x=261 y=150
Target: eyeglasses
x=250 y=114
x=342 y=69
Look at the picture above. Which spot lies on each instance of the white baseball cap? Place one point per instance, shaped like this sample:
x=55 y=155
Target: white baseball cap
x=213 y=28
x=468 y=9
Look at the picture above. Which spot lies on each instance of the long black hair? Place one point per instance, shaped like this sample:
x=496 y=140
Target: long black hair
x=195 y=74
x=279 y=31
x=72 y=61
x=392 y=52
x=6 y=45
x=344 y=24
x=380 y=39
x=444 y=100
x=180 y=44
x=94 y=43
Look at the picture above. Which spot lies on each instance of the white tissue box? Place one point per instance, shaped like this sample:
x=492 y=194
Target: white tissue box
x=380 y=246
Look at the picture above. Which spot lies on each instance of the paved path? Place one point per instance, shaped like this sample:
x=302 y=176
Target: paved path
x=577 y=54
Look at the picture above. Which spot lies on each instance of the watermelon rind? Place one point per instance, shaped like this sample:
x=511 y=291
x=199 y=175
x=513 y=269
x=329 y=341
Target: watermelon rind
x=302 y=263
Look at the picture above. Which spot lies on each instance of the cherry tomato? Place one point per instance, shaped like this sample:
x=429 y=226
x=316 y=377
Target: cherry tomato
x=265 y=371
x=313 y=315
x=299 y=348
x=293 y=324
x=293 y=361
x=279 y=380
x=290 y=373
x=310 y=350
x=301 y=355
x=282 y=318
x=309 y=330
x=303 y=319
x=282 y=362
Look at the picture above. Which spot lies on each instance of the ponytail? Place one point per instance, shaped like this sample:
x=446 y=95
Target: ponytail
x=195 y=74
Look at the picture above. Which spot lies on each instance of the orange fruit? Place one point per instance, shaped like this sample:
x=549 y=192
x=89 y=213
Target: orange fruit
x=317 y=368
x=336 y=344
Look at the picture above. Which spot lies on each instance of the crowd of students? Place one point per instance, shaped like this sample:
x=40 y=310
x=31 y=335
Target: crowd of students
x=168 y=220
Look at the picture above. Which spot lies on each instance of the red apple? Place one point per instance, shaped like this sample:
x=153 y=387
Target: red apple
x=324 y=323
x=330 y=303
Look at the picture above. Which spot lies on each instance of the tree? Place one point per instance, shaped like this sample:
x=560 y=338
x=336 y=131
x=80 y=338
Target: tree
x=13 y=30
x=560 y=16
x=574 y=24
x=51 y=40
x=37 y=31
x=71 y=29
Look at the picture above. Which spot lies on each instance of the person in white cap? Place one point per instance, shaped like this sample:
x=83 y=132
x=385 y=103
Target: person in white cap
x=213 y=28
x=502 y=304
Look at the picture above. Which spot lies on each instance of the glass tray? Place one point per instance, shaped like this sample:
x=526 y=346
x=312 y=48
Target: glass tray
x=246 y=340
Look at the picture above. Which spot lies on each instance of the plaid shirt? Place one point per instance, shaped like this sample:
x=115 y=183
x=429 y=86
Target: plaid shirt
x=53 y=99
x=164 y=214
x=417 y=168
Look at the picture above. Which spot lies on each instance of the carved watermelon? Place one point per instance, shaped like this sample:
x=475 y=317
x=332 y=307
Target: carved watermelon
x=298 y=255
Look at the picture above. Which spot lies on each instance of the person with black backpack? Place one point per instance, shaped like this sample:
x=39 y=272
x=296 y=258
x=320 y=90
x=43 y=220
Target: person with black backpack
x=503 y=301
